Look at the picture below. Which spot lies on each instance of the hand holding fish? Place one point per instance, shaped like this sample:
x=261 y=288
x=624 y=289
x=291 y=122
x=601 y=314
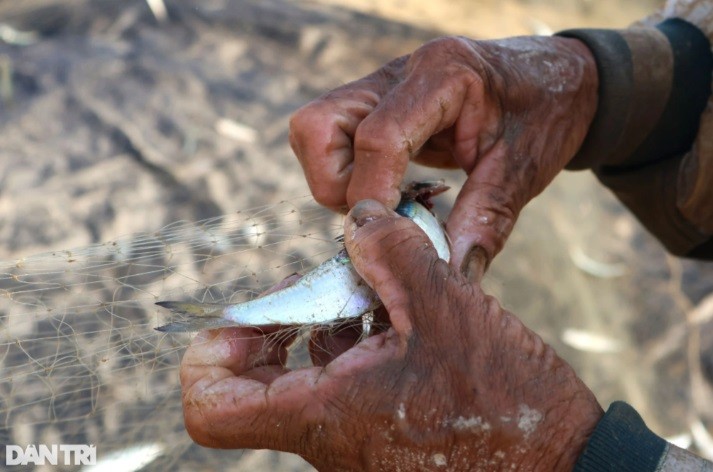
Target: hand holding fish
x=511 y=113
x=456 y=383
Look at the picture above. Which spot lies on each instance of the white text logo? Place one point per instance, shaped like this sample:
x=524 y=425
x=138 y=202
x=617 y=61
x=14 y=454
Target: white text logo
x=65 y=454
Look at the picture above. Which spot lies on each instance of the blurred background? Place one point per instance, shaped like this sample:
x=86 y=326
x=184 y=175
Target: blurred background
x=119 y=117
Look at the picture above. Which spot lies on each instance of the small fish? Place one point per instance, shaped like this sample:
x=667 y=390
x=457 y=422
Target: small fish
x=331 y=291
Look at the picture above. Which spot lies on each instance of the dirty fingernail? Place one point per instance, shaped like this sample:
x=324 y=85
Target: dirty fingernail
x=368 y=210
x=475 y=263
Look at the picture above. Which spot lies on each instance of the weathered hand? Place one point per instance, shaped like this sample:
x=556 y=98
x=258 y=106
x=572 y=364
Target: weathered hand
x=455 y=383
x=510 y=113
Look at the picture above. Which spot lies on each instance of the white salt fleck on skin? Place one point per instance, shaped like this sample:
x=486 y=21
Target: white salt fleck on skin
x=401 y=412
x=528 y=419
x=439 y=459
x=475 y=423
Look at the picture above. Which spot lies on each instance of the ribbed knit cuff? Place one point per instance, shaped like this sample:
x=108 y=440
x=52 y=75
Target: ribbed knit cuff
x=621 y=442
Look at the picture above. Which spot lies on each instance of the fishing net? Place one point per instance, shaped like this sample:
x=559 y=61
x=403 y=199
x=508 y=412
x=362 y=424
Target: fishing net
x=81 y=362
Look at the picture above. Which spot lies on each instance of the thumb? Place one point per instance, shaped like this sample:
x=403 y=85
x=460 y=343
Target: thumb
x=396 y=258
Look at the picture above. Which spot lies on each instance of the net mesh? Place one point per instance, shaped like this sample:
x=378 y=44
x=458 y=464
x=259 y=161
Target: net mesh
x=80 y=360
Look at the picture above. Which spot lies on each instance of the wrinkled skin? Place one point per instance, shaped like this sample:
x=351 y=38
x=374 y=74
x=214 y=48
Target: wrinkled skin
x=511 y=113
x=456 y=383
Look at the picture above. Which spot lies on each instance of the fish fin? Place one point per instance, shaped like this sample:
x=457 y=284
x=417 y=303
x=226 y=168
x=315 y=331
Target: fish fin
x=422 y=192
x=191 y=325
x=193 y=309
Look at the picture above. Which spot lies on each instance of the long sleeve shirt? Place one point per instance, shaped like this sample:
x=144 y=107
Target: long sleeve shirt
x=651 y=143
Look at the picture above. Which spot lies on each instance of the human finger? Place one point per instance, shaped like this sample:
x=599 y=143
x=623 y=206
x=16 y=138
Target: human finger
x=437 y=92
x=396 y=259
x=328 y=343
x=321 y=135
x=228 y=402
x=240 y=350
x=237 y=350
x=483 y=215
x=268 y=406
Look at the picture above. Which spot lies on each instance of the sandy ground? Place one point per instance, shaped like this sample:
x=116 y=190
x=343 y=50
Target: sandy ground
x=112 y=122
x=495 y=19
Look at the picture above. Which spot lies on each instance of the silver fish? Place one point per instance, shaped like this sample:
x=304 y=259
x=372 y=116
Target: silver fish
x=329 y=292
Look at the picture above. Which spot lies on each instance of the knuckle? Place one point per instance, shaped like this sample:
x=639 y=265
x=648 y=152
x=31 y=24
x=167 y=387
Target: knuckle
x=308 y=118
x=299 y=119
x=378 y=137
x=461 y=75
x=459 y=62
x=297 y=133
x=325 y=192
x=205 y=430
x=199 y=419
x=443 y=48
x=302 y=122
x=496 y=204
x=196 y=427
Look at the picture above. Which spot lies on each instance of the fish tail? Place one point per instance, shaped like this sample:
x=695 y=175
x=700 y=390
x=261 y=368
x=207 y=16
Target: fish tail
x=193 y=309
x=198 y=317
x=192 y=325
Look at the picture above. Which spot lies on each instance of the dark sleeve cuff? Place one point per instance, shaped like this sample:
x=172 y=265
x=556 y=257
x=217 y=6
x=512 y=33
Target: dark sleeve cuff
x=621 y=442
x=654 y=84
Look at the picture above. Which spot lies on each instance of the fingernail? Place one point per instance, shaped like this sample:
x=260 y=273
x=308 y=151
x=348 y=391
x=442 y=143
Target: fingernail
x=368 y=210
x=474 y=264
